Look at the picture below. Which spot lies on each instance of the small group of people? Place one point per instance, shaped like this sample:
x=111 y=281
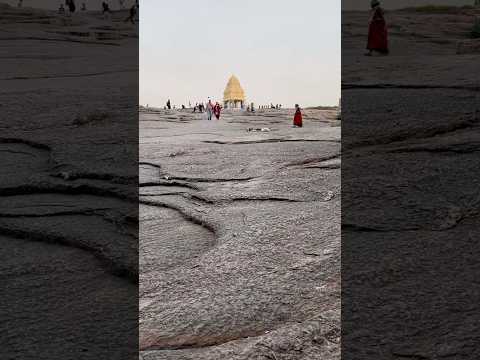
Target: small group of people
x=132 y=12
x=200 y=107
x=71 y=7
x=210 y=108
x=213 y=110
x=377 y=31
x=271 y=106
x=106 y=12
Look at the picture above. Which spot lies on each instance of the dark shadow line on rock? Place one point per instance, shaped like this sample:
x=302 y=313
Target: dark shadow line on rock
x=266 y=141
x=398 y=138
x=112 y=268
x=30 y=143
x=64 y=189
x=312 y=160
x=113 y=178
x=169 y=183
x=210 y=180
x=158 y=166
x=65 y=75
x=349 y=86
x=58 y=40
x=186 y=214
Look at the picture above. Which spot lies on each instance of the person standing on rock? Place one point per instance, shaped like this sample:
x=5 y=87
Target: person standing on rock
x=71 y=5
x=377 y=31
x=133 y=12
x=106 y=9
x=209 y=109
x=169 y=105
x=297 y=119
x=216 y=110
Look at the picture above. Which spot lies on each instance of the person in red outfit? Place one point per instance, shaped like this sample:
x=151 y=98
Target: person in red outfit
x=297 y=119
x=377 y=31
x=216 y=110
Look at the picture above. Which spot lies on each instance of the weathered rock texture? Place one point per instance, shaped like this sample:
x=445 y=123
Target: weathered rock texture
x=68 y=186
x=239 y=236
x=410 y=190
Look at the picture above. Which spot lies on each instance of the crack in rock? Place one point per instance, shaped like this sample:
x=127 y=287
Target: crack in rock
x=266 y=141
x=30 y=143
x=188 y=215
x=111 y=266
x=169 y=183
x=410 y=86
x=80 y=189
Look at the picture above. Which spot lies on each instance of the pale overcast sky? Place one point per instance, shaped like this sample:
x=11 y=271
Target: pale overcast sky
x=282 y=51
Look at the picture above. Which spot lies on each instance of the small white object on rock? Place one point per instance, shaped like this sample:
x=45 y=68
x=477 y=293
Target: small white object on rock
x=327 y=251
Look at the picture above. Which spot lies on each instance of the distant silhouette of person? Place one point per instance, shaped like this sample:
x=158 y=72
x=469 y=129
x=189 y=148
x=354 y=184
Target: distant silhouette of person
x=216 y=110
x=297 y=119
x=169 y=105
x=377 y=31
x=131 y=17
x=71 y=5
x=84 y=7
x=105 y=8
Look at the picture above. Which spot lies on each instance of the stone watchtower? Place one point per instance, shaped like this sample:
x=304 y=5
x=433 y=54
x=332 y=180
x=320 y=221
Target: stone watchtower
x=233 y=96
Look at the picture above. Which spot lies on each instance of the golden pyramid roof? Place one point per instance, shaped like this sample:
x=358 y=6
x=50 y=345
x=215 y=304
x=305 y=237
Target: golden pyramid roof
x=234 y=90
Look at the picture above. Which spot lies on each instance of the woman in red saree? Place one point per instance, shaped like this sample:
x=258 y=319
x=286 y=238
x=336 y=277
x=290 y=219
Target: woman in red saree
x=297 y=119
x=216 y=110
x=377 y=31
